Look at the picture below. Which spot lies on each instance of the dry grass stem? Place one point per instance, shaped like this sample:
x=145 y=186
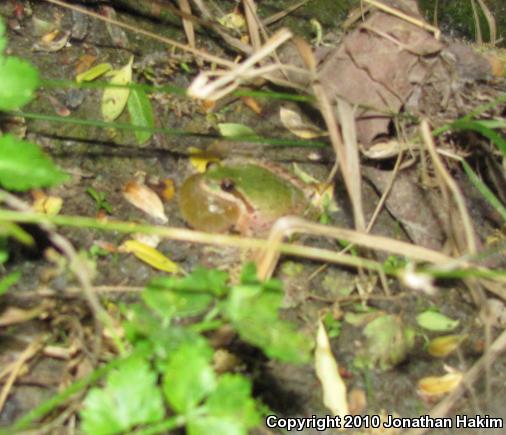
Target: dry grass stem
x=422 y=24
x=253 y=24
x=471 y=376
x=32 y=349
x=492 y=27
x=449 y=183
x=203 y=88
x=189 y=31
x=198 y=53
x=290 y=225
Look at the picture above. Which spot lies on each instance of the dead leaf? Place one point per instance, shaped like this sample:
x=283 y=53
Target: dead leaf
x=150 y=256
x=441 y=347
x=84 y=63
x=438 y=385
x=327 y=371
x=252 y=104
x=200 y=160
x=145 y=199
x=49 y=44
x=50 y=205
x=292 y=121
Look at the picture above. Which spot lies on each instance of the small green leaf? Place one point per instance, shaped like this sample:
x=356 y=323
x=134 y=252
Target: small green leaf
x=10 y=229
x=188 y=376
x=251 y=307
x=130 y=397
x=20 y=158
x=215 y=425
x=484 y=190
x=93 y=73
x=434 y=321
x=115 y=99
x=18 y=81
x=141 y=114
x=233 y=398
x=388 y=342
x=8 y=281
x=230 y=129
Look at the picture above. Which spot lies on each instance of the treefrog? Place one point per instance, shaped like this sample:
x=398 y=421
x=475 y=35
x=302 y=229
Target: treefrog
x=243 y=197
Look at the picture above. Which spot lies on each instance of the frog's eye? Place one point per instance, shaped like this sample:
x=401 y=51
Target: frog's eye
x=227 y=185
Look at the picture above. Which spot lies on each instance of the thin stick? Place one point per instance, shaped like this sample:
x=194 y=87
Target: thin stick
x=28 y=353
x=450 y=183
x=471 y=376
x=203 y=55
x=406 y=17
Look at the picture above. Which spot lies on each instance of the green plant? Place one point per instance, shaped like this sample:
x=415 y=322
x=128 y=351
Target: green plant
x=178 y=354
x=18 y=82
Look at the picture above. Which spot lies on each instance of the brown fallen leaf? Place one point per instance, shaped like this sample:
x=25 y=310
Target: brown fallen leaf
x=145 y=199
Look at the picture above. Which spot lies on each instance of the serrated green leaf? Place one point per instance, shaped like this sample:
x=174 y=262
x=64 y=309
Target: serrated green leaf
x=388 y=342
x=18 y=81
x=130 y=398
x=230 y=129
x=115 y=99
x=251 y=307
x=141 y=114
x=188 y=376
x=93 y=73
x=233 y=398
x=434 y=321
x=19 y=158
x=215 y=425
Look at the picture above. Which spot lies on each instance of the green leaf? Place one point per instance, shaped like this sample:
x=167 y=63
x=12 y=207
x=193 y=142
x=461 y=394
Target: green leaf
x=18 y=81
x=231 y=409
x=484 y=190
x=10 y=229
x=233 y=398
x=188 y=376
x=388 y=342
x=251 y=307
x=481 y=128
x=19 y=158
x=93 y=73
x=215 y=425
x=188 y=296
x=434 y=321
x=8 y=281
x=130 y=398
x=230 y=129
x=115 y=99
x=141 y=114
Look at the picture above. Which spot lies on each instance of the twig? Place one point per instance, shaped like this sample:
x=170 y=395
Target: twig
x=420 y=23
x=199 y=53
x=451 y=185
x=471 y=376
x=28 y=353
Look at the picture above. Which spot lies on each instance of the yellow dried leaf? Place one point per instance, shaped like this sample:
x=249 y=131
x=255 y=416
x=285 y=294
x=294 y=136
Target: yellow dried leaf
x=233 y=20
x=327 y=371
x=150 y=256
x=50 y=205
x=443 y=346
x=200 y=159
x=437 y=385
x=115 y=99
x=293 y=122
x=142 y=197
